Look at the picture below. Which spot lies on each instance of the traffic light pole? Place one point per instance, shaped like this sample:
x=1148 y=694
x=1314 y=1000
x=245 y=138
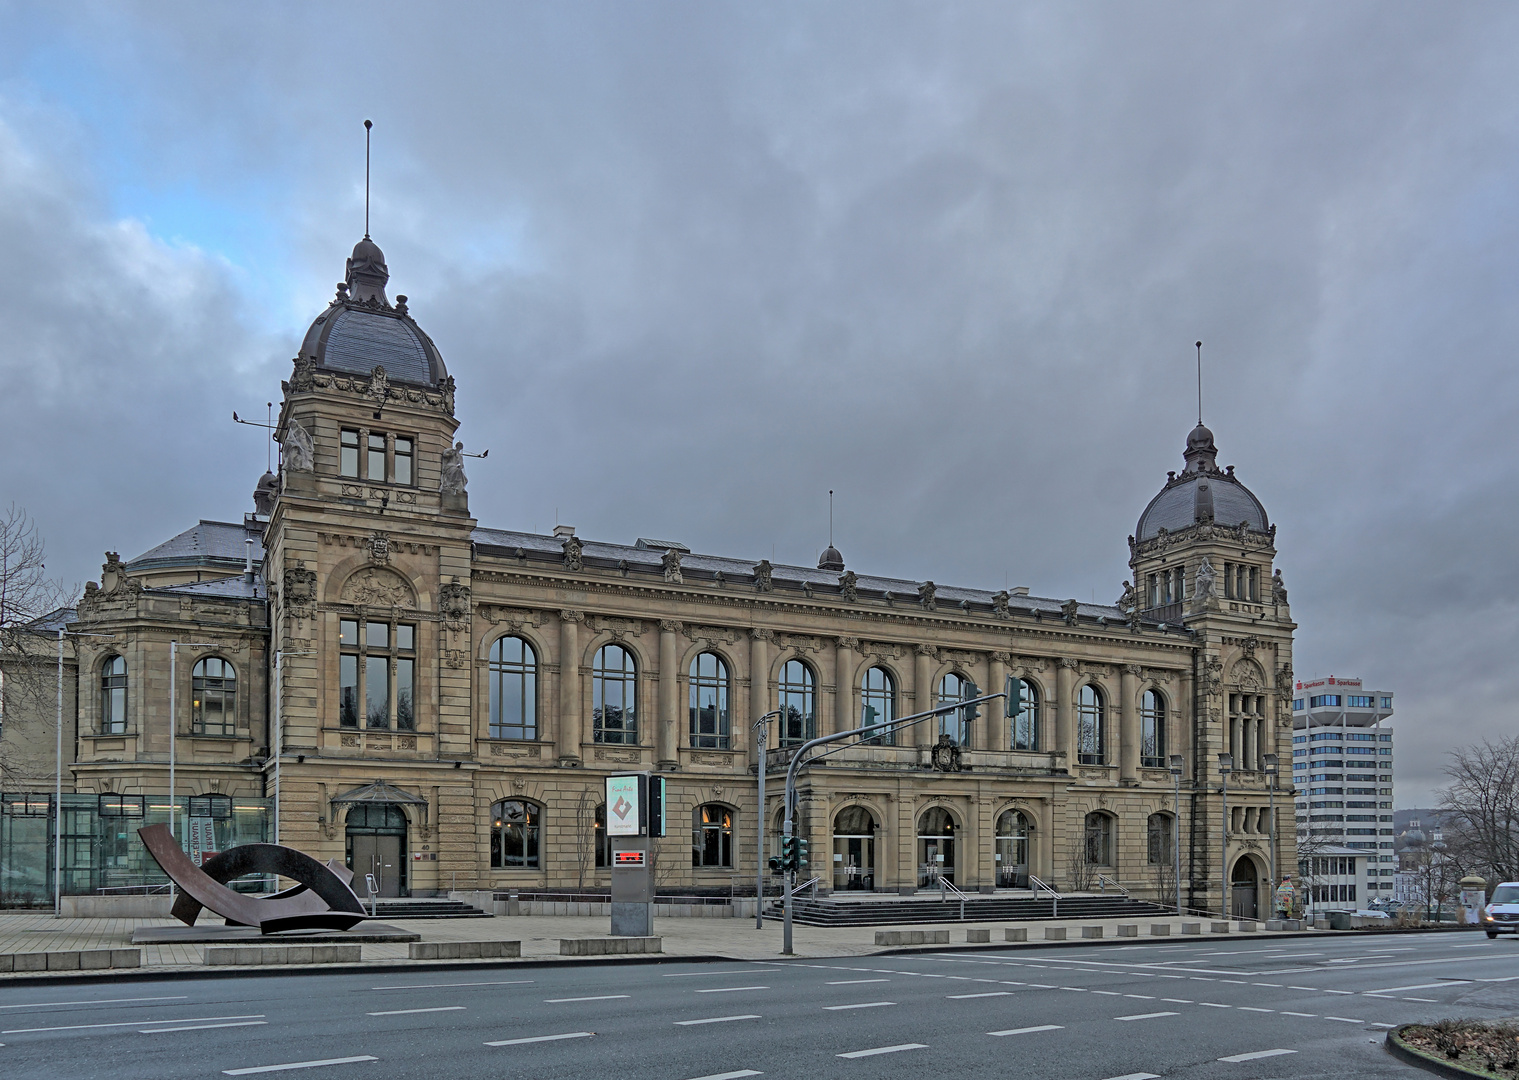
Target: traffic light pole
x=798 y=760
x=759 y=879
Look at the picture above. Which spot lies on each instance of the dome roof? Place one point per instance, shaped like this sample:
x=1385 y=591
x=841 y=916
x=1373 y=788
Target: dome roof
x=830 y=559
x=361 y=330
x=1201 y=493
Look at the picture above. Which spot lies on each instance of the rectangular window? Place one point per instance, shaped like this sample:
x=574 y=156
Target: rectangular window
x=1228 y=581
x=377 y=635
x=1358 y=701
x=1387 y=703
x=377 y=691
x=1322 y=701
x=377 y=458
x=406 y=637
x=1384 y=738
x=1255 y=584
x=348 y=454
x=348 y=692
x=1297 y=704
x=406 y=718
x=403 y=458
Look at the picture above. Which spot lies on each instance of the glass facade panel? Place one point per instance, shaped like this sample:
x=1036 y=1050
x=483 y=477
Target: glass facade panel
x=712 y=837
x=952 y=688
x=515 y=839
x=406 y=716
x=1025 y=726
x=213 y=689
x=798 y=703
x=1091 y=721
x=377 y=458
x=348 y=690
x=1152 y=730
x=376 y=692
x=348 y=454
x=113 y=696
x=403 y=460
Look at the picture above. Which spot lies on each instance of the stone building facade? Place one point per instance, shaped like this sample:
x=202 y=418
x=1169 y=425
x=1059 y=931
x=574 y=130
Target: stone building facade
x=439 y=701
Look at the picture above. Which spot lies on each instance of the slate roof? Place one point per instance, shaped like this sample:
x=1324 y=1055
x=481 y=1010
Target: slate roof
x=355 y=338
x=208 y=543
x=704 y=568
x=1175 y=507
x=236 y=587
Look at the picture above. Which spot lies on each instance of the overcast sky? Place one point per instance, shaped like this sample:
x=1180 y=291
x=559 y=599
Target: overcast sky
x=694 y=264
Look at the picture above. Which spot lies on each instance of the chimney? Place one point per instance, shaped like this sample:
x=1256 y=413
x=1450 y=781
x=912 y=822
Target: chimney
x=1018 y=590
x=248 y=560
x=564 y=530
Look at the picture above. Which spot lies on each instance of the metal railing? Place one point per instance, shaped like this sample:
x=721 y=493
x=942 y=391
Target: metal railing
x=1103 y=881
x=1040 y=887
x=947 y=889
x=810 y=883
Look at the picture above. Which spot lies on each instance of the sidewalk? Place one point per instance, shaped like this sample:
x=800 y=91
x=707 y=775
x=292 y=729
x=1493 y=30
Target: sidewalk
x=730 y=939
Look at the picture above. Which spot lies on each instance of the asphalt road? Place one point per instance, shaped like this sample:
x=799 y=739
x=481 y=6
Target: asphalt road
x=1240 y=1009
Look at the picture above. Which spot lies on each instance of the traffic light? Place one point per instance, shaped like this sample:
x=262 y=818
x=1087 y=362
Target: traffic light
x=777 y=864
x=971 y=713
x=1014 y=697
x=801 y=854
x=788 y=853
x=656 y=804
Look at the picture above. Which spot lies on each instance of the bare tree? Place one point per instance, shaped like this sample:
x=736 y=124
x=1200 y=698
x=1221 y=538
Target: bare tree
x=27 y=597
x=585 y=835
x=1481 y=808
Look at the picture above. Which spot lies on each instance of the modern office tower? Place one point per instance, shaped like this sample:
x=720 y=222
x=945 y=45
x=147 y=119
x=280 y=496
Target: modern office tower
x=1342 y=774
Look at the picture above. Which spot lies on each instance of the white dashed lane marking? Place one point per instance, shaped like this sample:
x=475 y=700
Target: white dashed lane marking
x=716 y=1020
x=1236 y=1058
x=1028 y=1030
x=1146 y=1016
x=884 y=1050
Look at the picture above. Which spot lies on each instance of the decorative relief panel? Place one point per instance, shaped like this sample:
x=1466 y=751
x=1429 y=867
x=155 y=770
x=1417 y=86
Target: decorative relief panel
x=378 y=587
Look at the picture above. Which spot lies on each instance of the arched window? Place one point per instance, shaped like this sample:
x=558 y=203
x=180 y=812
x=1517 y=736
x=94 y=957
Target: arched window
x=614 y=700
x=1013 y=831
x=709 y=702
x=513 y=689
x=798 y=703
x=1091 y=723
x=113 y=696
x=936 y=847
x=514 y=835
x=1159 y=838
x=1025 y=725
x=1099 y=839
x=1152 y=730
x=954 y=688
x=878 y=704
x=712 y=836
x=213 y=697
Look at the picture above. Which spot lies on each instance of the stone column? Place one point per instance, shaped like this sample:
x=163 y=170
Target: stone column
x=995 y=734
x=667 y=729
x=1237 y=741
x=570 y=728
x=925 y=733
x=845 y=679
x=1128 y=725
x=1065 y=711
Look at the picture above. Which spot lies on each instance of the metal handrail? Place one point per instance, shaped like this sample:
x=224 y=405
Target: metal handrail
x=1041 y=887
x=948 y=887
x=1103 y=881
x=809 y=883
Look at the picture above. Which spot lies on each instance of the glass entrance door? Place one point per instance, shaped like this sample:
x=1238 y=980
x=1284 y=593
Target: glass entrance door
x=1012 y=850
x=854 y=850
x=936 y=848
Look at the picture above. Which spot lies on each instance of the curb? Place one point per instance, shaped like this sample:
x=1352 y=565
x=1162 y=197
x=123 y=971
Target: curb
x=1409 y=1056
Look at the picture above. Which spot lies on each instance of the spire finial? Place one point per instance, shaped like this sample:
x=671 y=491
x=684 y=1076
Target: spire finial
x=830 y=517
x=1199 y=384
x=367 y=125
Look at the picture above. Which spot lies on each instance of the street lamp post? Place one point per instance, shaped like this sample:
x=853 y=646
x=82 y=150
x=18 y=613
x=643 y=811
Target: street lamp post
x=1225 y=767
x=1176 y=767
x=173 y=715
x=760 y=731
x=1268 y=763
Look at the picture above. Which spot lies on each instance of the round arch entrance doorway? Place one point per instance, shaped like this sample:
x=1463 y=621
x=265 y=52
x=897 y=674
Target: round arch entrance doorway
x=1013 y=830
x=936 y=847
x=376 y=843
x=854 y=850
x=1244 y=884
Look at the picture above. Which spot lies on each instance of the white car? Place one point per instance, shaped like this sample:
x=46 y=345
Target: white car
x=1502 y=914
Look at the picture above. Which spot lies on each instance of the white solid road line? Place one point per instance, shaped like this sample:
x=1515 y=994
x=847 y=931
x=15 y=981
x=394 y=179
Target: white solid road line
x=298 y=1065
x=132 y=1023
x=1136 y=1076
x=1415 y=986
x=1146 y=1016
x=598 y=997
x=883 y=1050
x=991 y=993
x=731 y=1075
x=1028 y=1030
x=95 y=1001
x=720 y=1020
x=854 y=982
x=200 y=1027
x=432 y=986
x=542 y=1038
x=1236 y=1058
x=691 y=974
x=730 y=989
x=1345 y=1019
x=861 y=1005
x=408 y=1012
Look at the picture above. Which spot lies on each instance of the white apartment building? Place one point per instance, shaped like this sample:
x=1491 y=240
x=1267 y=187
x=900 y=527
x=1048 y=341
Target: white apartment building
x=1342 y=757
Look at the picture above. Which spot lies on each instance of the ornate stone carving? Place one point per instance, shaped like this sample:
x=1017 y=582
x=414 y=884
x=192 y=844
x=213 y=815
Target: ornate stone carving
x=762 y=576
x=406 y=742
x=375 y=586
x=1134 y=669
x=519 y=784
x=926 y=593
x=848 y=643
x=456 y=658
x=379 y=548
x=302 y=373
x=671 y=626
x=1068 y=612
x=1001 y=656
x=1284 y=680
x=924 y=649
x=945 y=755
x=299 y=590
x=572 y=553
x=379 y=385
x=448 y=394
x=1000 y=608
x=1069 y=663
x=671 y=563
x=571 y=616
x=719 y=580
x=1205 y=593
x=350 y=740
x=758 y=633
x=1278 y=590
x=453 y=601
x=1128 y=598
x=298 y=450
x=1247 y=675
x=453 y=481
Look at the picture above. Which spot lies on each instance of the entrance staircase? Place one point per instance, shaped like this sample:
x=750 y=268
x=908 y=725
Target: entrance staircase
x=835 y=912
x=408 y=908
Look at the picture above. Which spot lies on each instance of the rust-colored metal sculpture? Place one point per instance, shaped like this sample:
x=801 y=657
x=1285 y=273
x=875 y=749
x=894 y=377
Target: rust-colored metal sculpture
x=322 y=899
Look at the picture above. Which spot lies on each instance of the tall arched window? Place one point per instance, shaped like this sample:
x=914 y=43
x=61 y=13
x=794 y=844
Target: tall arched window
x=1091 y=724
x=1152 y=730
x=936 y=847
x=953 y=688
x=515 y=841
x=709 y=702
x=878 y=704
x=513 y=689
x=1099 y=839
x=213 y=697
x=798 y=703
x=113 y=696
x=712 y=836
x=1025 y=726
x=614 y=696
x=1160 y=835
